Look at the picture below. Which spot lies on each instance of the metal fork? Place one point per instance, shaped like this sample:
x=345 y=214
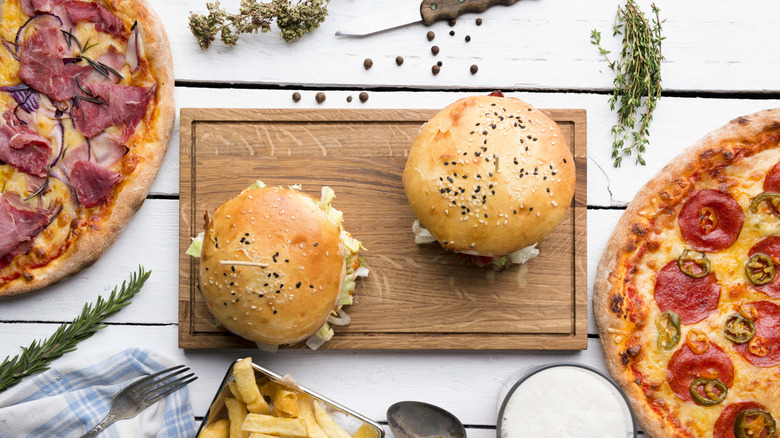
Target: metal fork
x=139 y=395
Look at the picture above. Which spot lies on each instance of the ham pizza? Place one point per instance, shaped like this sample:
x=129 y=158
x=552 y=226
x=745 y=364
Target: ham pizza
x=687 y=293
x=86 y=111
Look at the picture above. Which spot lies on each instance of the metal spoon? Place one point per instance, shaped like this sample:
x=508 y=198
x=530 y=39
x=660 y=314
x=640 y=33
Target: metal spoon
x=411 y=419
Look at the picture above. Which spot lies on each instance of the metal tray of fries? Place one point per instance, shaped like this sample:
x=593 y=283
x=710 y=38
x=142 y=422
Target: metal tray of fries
x=275 y=403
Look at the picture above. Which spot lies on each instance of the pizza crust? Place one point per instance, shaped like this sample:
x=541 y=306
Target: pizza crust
x=132 y=191
x=715 y=149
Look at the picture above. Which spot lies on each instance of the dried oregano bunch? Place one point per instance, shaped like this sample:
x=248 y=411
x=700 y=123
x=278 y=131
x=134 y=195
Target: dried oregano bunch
x=294 y=20
x=637 y=79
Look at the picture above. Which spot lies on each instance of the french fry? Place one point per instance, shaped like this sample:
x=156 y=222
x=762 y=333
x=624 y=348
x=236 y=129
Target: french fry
x=244 y=375
x=306 y=414
x=258 y=406
x=236 y=413
x=287 y=427
x=269 y=388
x=332 y=430
x=285 y=403
x=365 y=431
x=261 y=435
x=217 y=429
x=233 y=386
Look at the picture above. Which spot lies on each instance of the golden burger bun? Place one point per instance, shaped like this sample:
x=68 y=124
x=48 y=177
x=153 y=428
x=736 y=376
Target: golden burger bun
x=287 y=301
x=489 y=175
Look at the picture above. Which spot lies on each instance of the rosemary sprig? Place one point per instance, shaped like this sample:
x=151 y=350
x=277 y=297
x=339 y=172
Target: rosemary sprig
x=637 y=79
x=42 y=188
x=294 y=20
x=39 y=354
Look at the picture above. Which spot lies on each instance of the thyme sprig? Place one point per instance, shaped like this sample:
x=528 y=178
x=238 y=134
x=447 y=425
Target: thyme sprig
x=39 y=354
x=293 y=20
x=637 y=79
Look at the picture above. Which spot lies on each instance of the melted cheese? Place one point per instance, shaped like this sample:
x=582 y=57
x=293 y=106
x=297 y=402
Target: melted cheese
x=58 y=236
x=750 y=382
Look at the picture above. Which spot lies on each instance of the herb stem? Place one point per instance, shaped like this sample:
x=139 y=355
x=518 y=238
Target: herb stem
x=637 y=79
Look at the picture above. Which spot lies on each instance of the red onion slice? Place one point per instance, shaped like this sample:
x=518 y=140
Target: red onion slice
x=58 y=142
x=132 y=55
x=25 y=96
x=40 y=19
x=12 y=49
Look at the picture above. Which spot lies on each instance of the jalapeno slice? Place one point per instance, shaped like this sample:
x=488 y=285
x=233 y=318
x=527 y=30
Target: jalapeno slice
x=668 y=325
x=739 y=329
x=754 y=423
x=760 y=269
x=694 y=264
x=713 y=391
x=773 y=198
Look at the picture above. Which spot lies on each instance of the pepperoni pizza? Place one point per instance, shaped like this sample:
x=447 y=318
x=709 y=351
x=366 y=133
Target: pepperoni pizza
x=687 y=293
x=86 y=111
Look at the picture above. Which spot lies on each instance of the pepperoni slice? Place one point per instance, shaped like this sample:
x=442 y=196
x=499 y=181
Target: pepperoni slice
x=685 y=366
x=768 y=332
x=724 y=425
x=693 y=299
x=772 y=180
x=771 y=247
x=711 y=221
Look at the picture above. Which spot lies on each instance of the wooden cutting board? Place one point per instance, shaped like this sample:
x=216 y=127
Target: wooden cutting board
x=416 y=296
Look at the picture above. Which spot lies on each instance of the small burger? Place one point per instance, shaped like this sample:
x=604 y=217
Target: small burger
x=489 y=177
x=276 y=266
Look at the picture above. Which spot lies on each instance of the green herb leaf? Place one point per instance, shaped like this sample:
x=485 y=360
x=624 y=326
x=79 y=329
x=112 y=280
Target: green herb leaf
x=637 y=79
x=39 y=354
x=293 y=20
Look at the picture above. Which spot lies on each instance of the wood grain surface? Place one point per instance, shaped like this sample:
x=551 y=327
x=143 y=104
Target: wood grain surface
x=416 y=296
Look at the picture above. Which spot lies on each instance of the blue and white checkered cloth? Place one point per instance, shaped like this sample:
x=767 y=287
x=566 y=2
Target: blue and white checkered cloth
x=74 y=395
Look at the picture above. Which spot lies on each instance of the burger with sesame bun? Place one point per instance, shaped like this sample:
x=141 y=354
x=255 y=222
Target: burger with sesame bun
x=276 y=266
x=489 y=177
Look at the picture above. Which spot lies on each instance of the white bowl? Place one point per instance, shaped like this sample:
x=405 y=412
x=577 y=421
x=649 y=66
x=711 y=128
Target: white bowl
x=559 y=400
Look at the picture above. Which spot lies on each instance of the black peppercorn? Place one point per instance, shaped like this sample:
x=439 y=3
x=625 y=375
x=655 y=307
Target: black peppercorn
x=368 y=63
x=439 y=63
x=296 y=96
x=452 y=33
x=363 y=96
x=399 y=60
x=452 y=22
x=320 y=97
x=479 y=22
x=468 y=38
x=474 y=69
x=430 y=35
x=349 y=98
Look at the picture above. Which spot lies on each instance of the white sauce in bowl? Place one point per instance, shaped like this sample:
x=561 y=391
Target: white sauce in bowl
x=566 y=401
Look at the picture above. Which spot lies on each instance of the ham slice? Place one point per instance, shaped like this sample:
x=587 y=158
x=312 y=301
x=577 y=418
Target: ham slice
x=77 y=11
x=23 y=148
x=30 y=7
x=104 y=20
x=41 y=63
x=19 y=224
x=124 y=107
x=93 y=183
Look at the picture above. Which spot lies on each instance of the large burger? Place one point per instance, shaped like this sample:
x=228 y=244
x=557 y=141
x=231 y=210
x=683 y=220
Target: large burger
x=489 y=177
x=276 y=266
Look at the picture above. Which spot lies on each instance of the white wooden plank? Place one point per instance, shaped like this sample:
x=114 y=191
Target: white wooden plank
x=546 y=44
x=468 y=384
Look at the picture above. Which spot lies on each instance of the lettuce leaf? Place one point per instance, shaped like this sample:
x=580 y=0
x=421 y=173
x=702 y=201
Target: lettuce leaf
x=196 y=247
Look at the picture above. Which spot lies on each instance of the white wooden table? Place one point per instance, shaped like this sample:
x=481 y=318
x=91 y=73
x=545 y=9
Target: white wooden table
x=721 y=62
